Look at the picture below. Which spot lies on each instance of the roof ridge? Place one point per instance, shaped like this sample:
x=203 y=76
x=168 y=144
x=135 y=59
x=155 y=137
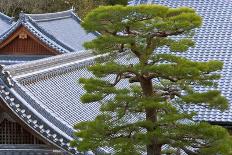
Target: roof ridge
x=50 y=16
x=70 y=10
x=6 y=18
x=57 y=70
x=46 y=63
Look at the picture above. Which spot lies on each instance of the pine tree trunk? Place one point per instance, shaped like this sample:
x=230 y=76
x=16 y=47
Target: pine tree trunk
x=154 y=148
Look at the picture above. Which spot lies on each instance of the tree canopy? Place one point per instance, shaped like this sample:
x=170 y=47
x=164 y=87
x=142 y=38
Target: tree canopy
x=14 y=7
x=84 y=7
x=151 y=112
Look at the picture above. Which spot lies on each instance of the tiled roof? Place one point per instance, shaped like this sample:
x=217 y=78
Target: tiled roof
x=60 y=31
x=41 y=35
x=52 y=91
x=213 y=42
x=5 y=22
x=53 y=111
x=64 y=26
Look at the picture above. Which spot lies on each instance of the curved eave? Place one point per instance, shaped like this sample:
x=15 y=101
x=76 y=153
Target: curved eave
x=11 y=30
x=22 y=101
x=37 y=124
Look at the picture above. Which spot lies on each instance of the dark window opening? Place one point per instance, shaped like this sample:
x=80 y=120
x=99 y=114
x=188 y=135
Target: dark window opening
x=13 y=133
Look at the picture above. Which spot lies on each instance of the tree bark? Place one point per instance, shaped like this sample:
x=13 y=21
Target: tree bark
x=154 y=148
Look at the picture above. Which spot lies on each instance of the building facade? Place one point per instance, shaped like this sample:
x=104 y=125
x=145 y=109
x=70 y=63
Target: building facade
x=35 y=36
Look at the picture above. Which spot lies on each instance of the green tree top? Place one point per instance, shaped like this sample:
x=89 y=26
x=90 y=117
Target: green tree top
x=150 y=113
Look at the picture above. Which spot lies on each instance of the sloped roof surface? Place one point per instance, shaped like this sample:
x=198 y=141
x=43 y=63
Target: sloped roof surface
x=213 y=42
x=60 y=31
x=57 y=88
x=5 y=22
x=27 y=95
x=53 y=91
x=65 y=27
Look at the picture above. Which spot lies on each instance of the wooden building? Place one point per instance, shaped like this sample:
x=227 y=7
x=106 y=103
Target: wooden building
x=41 y=35
x=40 y=100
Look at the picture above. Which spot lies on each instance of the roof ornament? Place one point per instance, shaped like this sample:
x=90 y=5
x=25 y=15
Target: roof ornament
x=6 y=77
x=1 y=68
x=22 y=16
x=73 y=8
x=13 y=19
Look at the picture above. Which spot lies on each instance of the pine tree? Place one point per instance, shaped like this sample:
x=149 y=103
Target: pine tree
x=149 y=116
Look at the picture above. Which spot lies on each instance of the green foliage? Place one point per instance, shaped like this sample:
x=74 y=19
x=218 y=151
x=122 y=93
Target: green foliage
x=150 y=111
x=85 y=6
x=14 y=7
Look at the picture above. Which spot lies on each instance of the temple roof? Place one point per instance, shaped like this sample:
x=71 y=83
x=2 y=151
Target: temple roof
x=65 y=27
x=46 y=94
x=60 y=31
x=5 y=22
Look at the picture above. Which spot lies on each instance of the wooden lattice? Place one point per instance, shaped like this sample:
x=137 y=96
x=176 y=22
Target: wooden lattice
x=13 y=133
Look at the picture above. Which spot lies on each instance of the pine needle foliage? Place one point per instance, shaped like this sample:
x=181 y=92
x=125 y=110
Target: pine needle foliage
x=151 y=113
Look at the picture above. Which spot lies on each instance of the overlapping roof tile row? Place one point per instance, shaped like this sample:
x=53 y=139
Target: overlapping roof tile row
x=55 y=90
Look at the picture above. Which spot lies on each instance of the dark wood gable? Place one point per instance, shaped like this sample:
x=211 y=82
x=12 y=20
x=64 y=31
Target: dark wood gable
x=23 y=42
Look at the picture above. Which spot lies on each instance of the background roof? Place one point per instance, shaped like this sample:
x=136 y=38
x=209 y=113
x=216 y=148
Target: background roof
x=57 y=88
x=5 y=22
x=213 y=42
x=65 y=27
x=53 y=91
x=61 y=31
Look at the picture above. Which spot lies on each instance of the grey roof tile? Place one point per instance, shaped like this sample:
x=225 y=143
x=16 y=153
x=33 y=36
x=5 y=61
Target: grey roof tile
x=5 y=22
x=213 y=42
x=61 y=31
x=65 y=27
x=55 y=90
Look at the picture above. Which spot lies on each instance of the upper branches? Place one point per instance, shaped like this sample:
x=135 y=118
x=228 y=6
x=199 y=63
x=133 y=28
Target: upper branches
x=137 y=28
